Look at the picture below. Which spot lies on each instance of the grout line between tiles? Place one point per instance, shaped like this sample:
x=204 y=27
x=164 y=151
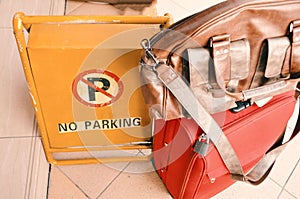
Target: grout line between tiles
x=35 y=126
x=65 y=8
x=75 y=8
x=294 y=197
x=112 y=181
x=19 y=137
x=34 y=132
x=283 y=187
x=48 y=182
x=51 y=8
x=57 y=7
x=30 y=168
x=37 y=168
x=140 y=152
x=181 y=6
x=275 y=182
x=78 y=187
x=38 y=155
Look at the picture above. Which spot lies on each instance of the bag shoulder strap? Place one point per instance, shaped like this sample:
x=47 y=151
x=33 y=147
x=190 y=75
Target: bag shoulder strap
x=177 y=86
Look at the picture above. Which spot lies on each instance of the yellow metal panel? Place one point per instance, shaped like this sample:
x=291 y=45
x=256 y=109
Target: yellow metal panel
x=82 y=73
x=80 y=36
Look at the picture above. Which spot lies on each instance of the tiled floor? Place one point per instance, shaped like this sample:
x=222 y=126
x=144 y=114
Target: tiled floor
x=24 y=172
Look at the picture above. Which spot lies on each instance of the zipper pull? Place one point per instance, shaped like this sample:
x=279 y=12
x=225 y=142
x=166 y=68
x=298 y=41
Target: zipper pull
x=241 y=105
x=201 y=146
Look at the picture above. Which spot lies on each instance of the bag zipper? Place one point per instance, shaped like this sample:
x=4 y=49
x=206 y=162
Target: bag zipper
x=279 y=101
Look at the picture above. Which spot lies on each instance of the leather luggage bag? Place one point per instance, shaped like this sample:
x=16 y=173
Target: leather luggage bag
x=251 y=133
x=220 y=86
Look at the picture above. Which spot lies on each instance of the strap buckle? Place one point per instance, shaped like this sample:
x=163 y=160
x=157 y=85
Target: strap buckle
x=219 y=38
x=238 y=177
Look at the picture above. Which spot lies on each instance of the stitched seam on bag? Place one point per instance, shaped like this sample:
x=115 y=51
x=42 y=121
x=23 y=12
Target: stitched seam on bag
x=201 y=179
x=278 y=102
x=175 y=129
x=187 y=176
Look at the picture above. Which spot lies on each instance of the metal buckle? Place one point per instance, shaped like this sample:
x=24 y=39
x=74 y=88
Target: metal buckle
x=238 y=177
x=145 y=43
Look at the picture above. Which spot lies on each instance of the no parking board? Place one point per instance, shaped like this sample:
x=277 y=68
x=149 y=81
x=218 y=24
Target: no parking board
x=97 y=88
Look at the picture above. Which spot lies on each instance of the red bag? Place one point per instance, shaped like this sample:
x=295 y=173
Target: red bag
x=251 y=132
x=203 y=79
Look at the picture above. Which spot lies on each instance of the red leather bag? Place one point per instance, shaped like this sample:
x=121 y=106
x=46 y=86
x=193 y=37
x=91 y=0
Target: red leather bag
x=251 y=132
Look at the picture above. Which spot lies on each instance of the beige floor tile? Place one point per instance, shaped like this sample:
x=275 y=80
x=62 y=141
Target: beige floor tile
x=37 y=172
x=180 y=9
x=61 y=187
x=91 y=8
x=268 y=189
x=30 y=7
x=91 y=179
x=293 y=184
x=17 y=116
x=286 y=195
x=72 y=6
x=136 y=185
x=286 y=162
x=142 y=167
x=57 y=7
x=15 y=158
x=99 y=8
x=15 y=104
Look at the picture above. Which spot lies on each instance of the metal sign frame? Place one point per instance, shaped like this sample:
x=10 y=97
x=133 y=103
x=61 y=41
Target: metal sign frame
x=22 y=23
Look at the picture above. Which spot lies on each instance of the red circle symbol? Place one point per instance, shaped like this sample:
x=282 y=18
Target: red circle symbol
x=97 y=88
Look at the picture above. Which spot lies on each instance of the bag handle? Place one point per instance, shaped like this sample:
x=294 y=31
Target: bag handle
x=220 y=72
x=295 y=35
x=177 y=86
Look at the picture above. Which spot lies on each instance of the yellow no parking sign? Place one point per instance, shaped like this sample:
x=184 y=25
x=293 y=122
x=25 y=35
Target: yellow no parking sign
x=83 y=77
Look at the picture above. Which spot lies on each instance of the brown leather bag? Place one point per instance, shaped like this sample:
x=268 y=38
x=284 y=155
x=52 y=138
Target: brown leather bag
x=229 y=56
x=238 y=51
